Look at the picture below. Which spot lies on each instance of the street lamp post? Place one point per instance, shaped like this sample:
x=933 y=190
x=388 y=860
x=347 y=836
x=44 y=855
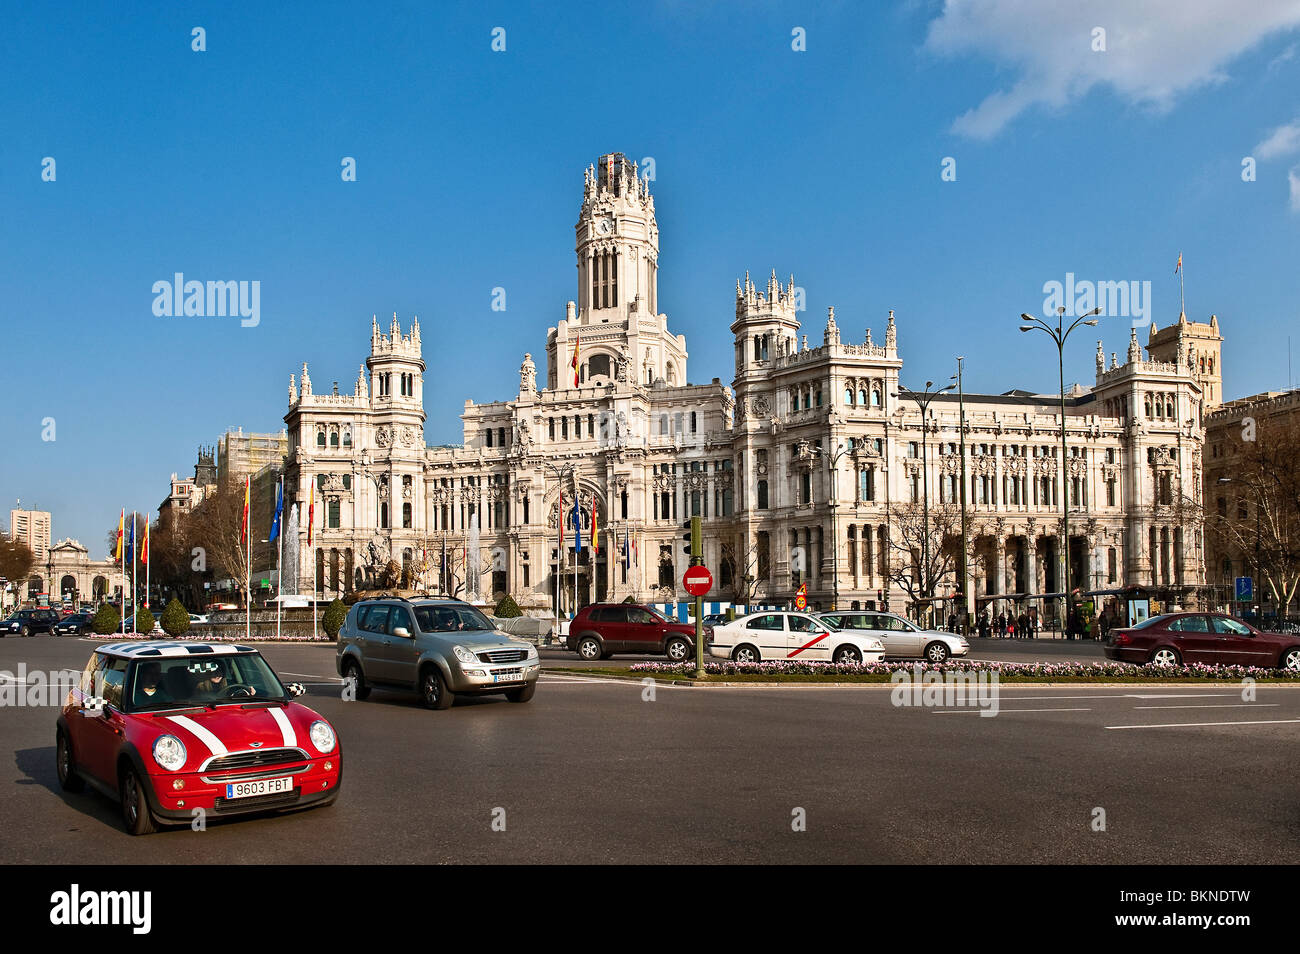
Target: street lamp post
x=965 y=543
x=923 y=400
x=834 y=459
x=1259 y=595
x=1059 y=336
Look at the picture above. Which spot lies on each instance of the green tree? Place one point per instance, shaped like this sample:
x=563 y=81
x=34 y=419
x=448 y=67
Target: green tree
x=16 y=562
x=143 y=621
x=333 y=619
x=175 y=618
x=507 y=608
x=106 y=620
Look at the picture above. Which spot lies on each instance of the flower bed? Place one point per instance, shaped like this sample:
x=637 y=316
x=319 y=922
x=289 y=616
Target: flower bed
x=1099 y=671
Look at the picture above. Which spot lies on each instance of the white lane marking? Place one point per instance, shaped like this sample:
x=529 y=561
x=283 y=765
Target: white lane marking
x=1001 y=710
x=215 y=745
x=1194 y=725
x=1221 y=705
x=286 y=728
x=1185 y=695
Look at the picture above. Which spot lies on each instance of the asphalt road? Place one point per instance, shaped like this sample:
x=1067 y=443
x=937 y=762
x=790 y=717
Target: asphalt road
x=592 y=771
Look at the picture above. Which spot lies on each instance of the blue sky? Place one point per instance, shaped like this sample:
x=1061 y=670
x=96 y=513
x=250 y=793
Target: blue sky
x=824 y=163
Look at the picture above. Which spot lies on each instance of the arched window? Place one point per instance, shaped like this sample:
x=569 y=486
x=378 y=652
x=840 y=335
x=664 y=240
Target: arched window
x=320 y=438
x=848 y=395
x=334 y=438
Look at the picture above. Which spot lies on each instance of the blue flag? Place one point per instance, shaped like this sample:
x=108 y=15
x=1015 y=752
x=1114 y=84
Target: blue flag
x=577 y=524
x=279 y=509
x=130 y=547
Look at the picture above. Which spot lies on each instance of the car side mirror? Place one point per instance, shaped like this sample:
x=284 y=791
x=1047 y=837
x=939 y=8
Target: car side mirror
x=403 y=632
x=296 y=689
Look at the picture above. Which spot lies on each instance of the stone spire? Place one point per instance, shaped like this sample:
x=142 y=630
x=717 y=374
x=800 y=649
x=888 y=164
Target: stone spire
x=1101 y=359
x=293 y=391
x=891 y=333
x=361 y=390
x=869 y=344
x=306 y=381
x=415 y=332
x=832 y=335
x=374 y=333
x=1134 y=349
x=395 y=330
x=1114 y=360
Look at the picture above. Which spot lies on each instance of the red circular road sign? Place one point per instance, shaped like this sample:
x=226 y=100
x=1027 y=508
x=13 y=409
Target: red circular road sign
x=698 y=580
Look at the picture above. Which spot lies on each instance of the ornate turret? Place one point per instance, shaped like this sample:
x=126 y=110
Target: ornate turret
x=891 y=333
x=360 y=390
x=306 y=381
x=1134 y=349
x=832 y=333
x=1101 y=359
x=293 y=391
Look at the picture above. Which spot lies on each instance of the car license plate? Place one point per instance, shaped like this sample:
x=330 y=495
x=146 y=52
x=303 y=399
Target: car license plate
x=261 y=786
x=508 y=675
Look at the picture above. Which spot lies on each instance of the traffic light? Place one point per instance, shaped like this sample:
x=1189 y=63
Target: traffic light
x=694 y=538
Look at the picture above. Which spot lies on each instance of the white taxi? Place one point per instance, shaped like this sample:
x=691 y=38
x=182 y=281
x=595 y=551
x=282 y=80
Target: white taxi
x=786 y=635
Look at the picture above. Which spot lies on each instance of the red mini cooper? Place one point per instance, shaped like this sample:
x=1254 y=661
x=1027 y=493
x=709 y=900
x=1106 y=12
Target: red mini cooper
x=167 y=728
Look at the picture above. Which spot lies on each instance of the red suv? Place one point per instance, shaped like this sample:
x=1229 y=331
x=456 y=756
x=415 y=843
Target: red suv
x=603 y=629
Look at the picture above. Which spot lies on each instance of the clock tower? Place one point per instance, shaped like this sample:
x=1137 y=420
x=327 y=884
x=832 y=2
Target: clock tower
x=617 y=244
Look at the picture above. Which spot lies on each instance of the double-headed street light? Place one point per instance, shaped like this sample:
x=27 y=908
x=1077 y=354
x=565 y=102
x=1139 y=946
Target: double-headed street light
x=1059 y=336
x=923 y=400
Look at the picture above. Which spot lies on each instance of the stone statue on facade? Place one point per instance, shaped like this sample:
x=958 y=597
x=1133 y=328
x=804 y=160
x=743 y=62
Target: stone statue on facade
x=528 y=375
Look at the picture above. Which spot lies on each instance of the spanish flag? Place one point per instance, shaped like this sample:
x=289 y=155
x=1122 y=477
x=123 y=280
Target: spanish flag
x=121 y=523
x=577 y=341
x=311 y=511
x=1179 y=267
x=144 y=550
x=595 y=533
x=243 y=527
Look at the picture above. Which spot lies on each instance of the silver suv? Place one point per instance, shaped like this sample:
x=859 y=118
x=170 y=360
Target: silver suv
x=436 y=647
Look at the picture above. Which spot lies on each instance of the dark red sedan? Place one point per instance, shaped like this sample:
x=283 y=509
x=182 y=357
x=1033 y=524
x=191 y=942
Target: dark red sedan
x=1187 y=639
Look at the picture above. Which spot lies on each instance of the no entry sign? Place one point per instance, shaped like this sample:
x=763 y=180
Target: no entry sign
x=698 y=580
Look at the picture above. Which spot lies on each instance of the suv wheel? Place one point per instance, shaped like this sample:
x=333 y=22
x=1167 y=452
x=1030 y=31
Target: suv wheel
x=433 y=689
x=135 y=807
x=24 y=631
x=352 y=673
x=677 y=649
x=69 y=780
x=589 y=648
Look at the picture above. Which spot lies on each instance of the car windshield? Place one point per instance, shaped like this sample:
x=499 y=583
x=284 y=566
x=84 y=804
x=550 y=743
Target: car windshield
x=188 y=681
x=450 y=619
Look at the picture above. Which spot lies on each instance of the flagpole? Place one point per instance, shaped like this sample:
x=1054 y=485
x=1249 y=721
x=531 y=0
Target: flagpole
x=146 y=561
x=279 y=559
x=248 y=557
x=135 y=601
x=121 y=552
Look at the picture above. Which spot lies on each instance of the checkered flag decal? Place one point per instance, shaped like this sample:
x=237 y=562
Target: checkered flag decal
x=296 y=688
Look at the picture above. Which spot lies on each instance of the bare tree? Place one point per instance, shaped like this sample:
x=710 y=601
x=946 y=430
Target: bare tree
x=742 y=555
x=1264 y=526
x=912 y=536
x=16 y=562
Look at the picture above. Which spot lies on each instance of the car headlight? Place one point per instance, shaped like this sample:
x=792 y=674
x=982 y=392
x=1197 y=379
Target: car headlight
x=532 y=651
x=464 y=655
x=169 y=752
x=322 y=736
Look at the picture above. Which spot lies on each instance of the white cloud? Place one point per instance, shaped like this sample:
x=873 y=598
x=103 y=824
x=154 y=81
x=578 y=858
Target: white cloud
x=1282 y=141
x=1156 y=50
x=1293 y=179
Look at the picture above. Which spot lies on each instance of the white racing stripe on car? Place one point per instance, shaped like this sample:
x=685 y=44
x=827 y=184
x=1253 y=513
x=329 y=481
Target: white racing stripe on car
x=286 y=728
x=214 y=744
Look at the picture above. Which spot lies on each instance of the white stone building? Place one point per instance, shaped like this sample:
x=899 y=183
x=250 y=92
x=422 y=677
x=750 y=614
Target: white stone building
x=644 y=450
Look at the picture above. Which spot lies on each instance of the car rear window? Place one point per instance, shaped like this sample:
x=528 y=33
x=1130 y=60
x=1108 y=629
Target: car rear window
x=767 y=621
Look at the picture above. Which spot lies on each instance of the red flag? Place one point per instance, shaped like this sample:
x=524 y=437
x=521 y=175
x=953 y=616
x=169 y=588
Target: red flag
x=577 y=341
x=311 y=512
x=595 y=533
x=144 y=551
x=1179 y=267
x=243 y=527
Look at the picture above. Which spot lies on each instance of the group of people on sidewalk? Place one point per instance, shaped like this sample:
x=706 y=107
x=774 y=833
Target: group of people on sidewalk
x=1026 y=625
